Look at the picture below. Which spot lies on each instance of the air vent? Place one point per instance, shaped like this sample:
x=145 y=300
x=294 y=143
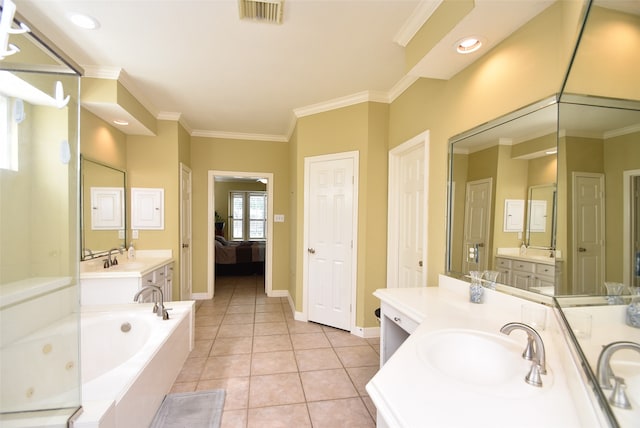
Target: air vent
x=265 y=10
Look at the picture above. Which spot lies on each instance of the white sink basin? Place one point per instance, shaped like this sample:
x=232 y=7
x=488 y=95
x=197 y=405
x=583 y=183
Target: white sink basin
x=492 y=363
x=128 y=266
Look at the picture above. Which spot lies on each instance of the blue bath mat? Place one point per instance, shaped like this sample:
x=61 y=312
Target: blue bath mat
x=200 y=409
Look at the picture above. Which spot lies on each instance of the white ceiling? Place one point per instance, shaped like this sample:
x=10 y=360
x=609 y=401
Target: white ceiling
x=221 y=76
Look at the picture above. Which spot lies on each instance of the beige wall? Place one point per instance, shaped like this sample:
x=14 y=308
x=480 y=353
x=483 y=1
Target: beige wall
x=102 y=142
x=209 y=154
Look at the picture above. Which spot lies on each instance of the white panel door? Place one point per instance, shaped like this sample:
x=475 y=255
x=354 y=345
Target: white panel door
x=477 y=225
x=330 y=230
x=411 y=225
x=185 y=233
x=588 y=233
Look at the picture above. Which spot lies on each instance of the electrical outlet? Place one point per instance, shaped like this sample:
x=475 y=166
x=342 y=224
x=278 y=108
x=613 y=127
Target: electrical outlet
x=121 y=234
x=134 y=233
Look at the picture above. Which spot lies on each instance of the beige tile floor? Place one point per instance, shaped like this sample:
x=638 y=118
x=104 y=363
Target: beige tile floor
x=277 y=372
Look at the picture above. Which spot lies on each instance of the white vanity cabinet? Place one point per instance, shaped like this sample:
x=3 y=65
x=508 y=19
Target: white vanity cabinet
x=395 y=327
x=526 y=274
x=120 y=283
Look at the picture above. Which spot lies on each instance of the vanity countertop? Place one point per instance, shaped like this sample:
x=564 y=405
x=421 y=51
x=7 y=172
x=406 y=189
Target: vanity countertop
x=135 y=268
x=533 y=255
x=409 y=393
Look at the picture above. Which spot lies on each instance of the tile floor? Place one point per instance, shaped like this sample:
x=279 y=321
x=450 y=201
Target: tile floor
x=277 y=372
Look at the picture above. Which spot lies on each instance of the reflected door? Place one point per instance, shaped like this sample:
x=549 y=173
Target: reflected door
x=185 y=233
x=477 y=217
x=588 y=233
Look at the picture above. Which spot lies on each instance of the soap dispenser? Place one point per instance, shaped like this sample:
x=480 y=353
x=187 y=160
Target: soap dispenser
x=523 y=249
x=131 y=252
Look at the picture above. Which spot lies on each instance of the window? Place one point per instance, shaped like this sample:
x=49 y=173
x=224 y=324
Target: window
x=248 y=216
x=8 y=135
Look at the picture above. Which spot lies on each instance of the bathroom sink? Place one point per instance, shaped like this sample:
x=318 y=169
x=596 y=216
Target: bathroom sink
x=128 y=266
x=490 y=362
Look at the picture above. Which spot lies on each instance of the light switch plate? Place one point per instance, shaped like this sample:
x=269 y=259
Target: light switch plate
x=121 y=234
x=278 y=218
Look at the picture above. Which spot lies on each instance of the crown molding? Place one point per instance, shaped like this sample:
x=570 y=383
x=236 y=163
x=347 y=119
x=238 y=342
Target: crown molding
x=336 y=103
x=401 y=86
x=239 y=136
x=420 y=15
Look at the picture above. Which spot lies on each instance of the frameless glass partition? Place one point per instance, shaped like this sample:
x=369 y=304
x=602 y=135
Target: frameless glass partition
x=39 y=303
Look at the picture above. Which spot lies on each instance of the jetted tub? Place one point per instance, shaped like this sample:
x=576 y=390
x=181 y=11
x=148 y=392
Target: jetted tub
x=129 y=360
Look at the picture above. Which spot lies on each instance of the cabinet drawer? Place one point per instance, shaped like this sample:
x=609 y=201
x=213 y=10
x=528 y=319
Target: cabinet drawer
x=545 y=270
x=397 y=317
x=149 y=279
x=502 y=264
x=523 y=266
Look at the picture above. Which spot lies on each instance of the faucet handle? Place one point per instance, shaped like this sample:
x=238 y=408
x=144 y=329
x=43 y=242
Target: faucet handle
x=533 y=377
x=619 y=397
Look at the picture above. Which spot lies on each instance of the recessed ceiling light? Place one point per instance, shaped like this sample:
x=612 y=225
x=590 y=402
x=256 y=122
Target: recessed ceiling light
x=468 y=45
x=84 y=21
x=121 y=122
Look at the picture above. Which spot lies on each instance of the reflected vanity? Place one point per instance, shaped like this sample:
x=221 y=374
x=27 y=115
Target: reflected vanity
x=579 y=151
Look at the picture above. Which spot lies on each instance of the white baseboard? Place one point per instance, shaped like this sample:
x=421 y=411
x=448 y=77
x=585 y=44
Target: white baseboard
x=279 y=293
x=366 y=332
x=200 y=296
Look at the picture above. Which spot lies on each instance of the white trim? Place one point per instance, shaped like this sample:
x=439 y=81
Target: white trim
x=238 y=136
x=366 y=332
x=418 y=18
x=627 y=242
x=279 y=293
x=355 y=156
x=346 y=101
x=393 y=233
x=201 y=296
x=185 y=169
x=401 y=86
x=268 y=265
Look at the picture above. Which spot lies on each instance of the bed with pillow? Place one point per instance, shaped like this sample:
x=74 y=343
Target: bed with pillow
x=239 y=257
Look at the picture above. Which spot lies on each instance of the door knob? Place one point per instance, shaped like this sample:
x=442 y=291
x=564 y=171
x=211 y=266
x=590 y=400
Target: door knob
x=420 y=263
x=311 y=250
x=582 y=250
x=185 y=245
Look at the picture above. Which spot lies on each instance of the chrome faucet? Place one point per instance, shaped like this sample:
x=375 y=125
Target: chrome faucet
x=605 y=374
x=160 y=310
x=112 y=261
x=534 y=351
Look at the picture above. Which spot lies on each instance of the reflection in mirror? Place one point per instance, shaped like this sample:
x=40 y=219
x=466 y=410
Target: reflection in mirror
x=103 y=205
x=540 y=216
x=492 y=170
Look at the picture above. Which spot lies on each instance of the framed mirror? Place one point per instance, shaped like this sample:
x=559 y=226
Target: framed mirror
x=103 y=208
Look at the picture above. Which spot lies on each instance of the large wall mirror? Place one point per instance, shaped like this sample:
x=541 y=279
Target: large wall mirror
x=591 y=187
x=103 y=208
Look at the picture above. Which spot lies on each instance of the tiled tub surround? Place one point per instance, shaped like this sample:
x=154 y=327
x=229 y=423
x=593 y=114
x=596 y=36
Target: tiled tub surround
x=126 y=374
x=407 y=393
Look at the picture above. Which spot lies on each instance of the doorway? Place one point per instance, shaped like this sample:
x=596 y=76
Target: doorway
x=477 y=225
x=239 y=176
x=588 y=233
x=330 y=237
x=185 y=233
x=407 y=213
x=631 y=228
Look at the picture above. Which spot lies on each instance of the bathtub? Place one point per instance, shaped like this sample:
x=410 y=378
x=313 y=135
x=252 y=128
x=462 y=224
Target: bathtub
x=129 y=360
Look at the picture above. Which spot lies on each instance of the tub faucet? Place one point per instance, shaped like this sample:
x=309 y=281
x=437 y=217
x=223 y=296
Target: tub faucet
x=160 y=310
x=605 y=375
x=534 y=351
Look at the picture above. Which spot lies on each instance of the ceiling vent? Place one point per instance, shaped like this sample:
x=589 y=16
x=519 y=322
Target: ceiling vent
x=265 y=10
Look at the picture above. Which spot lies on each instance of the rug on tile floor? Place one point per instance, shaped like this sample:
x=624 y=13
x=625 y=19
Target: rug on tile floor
x=200 y=409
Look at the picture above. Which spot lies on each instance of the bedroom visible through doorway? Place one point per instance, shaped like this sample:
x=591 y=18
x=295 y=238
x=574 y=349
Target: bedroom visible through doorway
x=240 y=213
